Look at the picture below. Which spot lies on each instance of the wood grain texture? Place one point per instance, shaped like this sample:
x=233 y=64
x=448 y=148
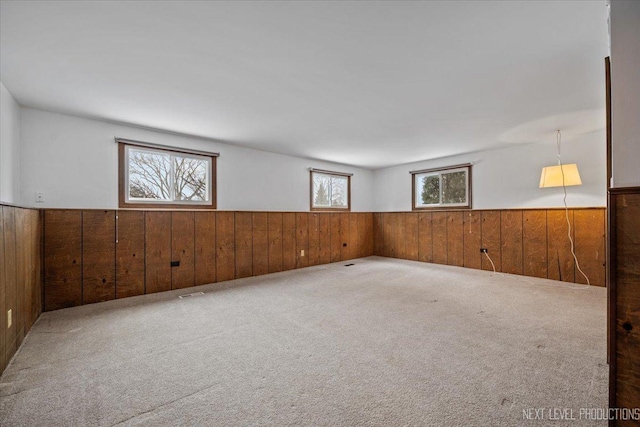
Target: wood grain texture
x=472 y=239
x=455 y=238
x=388 y=235
x=35 y=270
x=425 y=237
x=260 y=243
x=22 y=263
x=157 y=251
x=354 y=236
x=98 y=256
x=3 y=285
x=439 y=233
x=244 y=244
x=560 y=265
x=410 y=236
x=289 y=241
x=368 y=233
x=344 y=236
x=62 y=258
x=511 y=236
x=183 y=249
x=11 y=284
x=626 y=299
x=225 y=246
x=378 y=234
x=275 y=241
x=130 y=254
x=334 y=231
x=314 y=239
x=590 y=245
x=491 y=239
x=205 y=247
x=324 y=231
x=302 y=239
x=534 y=243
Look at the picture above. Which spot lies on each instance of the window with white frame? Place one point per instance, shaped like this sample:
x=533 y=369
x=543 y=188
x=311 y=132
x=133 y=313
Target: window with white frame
x=448 y=187
x=165 y=177
x=330 y=190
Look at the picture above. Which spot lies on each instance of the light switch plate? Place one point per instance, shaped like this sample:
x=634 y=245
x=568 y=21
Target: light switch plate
x=9 y=318
x=39 y=197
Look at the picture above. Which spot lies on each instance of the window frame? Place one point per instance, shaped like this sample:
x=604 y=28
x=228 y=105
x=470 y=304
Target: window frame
x=123 y=177
x=439 y=171
x=313 y=208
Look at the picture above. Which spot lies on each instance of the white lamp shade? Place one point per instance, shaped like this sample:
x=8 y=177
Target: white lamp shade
x=553 y=176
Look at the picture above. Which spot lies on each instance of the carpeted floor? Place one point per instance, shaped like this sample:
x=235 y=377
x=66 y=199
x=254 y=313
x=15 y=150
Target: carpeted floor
x=384 y=342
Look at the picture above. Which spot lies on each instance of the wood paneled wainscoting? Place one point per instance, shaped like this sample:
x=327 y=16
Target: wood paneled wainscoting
x=624 y=300
x=20 y=277
x=530 y=242
x=100 y=255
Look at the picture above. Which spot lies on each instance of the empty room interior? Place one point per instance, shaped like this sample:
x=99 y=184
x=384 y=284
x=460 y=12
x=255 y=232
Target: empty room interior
x=323 y=213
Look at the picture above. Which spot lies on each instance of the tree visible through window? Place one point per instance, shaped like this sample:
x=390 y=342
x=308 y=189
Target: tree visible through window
x=153 y=176
x=447 y=187
x=329 y=191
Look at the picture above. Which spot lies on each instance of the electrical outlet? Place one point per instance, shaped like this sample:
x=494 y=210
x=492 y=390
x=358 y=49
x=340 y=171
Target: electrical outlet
x=484 y=250
x=9 y=318
x=301 y=252
x=39 y=197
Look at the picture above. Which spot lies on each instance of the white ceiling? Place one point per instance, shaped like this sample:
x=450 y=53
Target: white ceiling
x=370 y=84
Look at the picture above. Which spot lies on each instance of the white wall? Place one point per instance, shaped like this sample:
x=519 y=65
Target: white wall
x=74 y=161
x=9 y=147
x=509 y=177
x=625 y=92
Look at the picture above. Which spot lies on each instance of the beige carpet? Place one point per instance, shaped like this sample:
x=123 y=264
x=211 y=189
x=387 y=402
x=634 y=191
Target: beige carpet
x=381 y=343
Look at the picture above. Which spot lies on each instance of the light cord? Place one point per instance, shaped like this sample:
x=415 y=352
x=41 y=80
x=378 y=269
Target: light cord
x=566 y=212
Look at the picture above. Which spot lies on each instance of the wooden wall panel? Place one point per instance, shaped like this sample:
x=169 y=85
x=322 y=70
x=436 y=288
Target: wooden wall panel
x=439 y=233
x=10 y=283
x=225 y=246
x=98 y=256
x=289 y=241
x=354 y=236
x=205 y=247
x=411 y=236
x=36 y=267
x=344 y=236
x=425 y=240
x=62 y=258
x=275 y=241
x=511 y=236
x=534 y=243
x=388 y=235
x=324 y=227
x=472 y=239
x=491 y=239
x=183 y=249
x=624 y=303
x=20 y=282
x=22 y=255
x=334 y=231
x=378 y=234
x=314 y=239
x=157 y=251
x=302 y=239
x=244 y=244
x=455 y=238
x=560 y=263
x=400 y=229
x=368 y=226
x=590 y=245
x=260 y=244
x=130 y=254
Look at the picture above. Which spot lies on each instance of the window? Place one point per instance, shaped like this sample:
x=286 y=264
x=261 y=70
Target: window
x=330 y=190
x=448 y=187
x=151 y=176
